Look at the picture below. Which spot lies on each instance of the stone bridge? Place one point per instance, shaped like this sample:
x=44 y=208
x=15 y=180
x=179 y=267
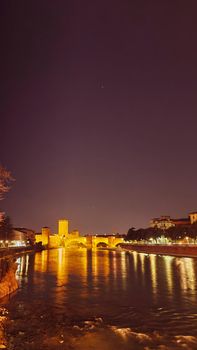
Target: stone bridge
x=92 y=242
x=74 y=240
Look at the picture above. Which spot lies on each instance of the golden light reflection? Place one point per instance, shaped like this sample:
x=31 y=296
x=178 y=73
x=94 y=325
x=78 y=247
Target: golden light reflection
x=94 y=264
x=80 y=265
x=100 y=265
x=41 y=261
x=27 y=264
x=191 y=276
x=153 y=273
x=23 y=264
x=62 y=267
x=114 y=268
x=114 y=264
x=142 y=266
x=142 y=258
x=187 y=273
x=103 y=267
x=135 y=258
x=123 y=269
x=168 y=260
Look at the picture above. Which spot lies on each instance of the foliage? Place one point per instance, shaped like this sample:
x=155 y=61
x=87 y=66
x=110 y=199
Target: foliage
x=5 y=227
x=173 y=233
x=177 y=232
x=143 y=234
x=192 y=232
x=5 y=181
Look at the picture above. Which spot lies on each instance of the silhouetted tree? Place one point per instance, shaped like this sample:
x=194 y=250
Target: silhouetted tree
x=5 y=181
x=144 y=234
x=192 y=231
x=176 y=233
x=5 y=228
x=131 y=234
x=155 y=233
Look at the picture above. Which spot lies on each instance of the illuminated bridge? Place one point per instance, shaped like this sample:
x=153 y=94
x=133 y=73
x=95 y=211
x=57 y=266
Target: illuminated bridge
x=92 y=242
x=75 y=240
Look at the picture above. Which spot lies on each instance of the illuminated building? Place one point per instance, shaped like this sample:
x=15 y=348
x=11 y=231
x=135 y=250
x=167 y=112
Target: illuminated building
x=43 y=237
x=54 y=241
x=181 y=222
x=74 y=234
x=74 y=239
x=193 y=217
x=164 y=222
x=63 y=228
x=21 y=236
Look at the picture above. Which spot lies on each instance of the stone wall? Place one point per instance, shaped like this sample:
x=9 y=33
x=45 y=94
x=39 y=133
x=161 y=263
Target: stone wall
x=174 y=249
x=8 y=283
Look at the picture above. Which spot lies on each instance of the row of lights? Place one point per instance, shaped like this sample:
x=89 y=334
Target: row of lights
x=16 y=243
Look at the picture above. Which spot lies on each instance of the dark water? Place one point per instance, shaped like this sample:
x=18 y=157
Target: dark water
x=105 y=300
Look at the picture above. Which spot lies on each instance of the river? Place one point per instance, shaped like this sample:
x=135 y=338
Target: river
x=103 y=300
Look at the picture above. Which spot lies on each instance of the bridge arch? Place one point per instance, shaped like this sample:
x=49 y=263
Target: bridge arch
x=118 y=244
x=75 y=243
x=102 y=244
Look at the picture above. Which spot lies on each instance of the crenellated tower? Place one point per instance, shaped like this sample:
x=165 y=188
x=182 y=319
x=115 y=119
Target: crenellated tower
x=63 y=228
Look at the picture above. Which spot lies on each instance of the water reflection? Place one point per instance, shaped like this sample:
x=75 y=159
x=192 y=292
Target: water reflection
x=135 y=260
x=115 y=293
x=185 y=268
x=153 y=269
x=157 y=274
x=168 y=261
x=142 y=260
x=22 y=263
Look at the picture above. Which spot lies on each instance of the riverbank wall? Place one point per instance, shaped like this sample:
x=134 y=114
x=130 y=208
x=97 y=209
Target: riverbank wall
x=8 y=283
x=8 y=267
x=184 y=250
x=15 y=251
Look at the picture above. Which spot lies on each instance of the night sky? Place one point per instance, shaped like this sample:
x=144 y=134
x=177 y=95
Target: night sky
x=98 y=111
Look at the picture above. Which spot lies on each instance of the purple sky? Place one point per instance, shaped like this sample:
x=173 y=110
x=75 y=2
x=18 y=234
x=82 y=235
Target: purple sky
x=99 y=111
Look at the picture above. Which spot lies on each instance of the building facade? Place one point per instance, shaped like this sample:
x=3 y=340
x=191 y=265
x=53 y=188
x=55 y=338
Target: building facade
x=193 y=217
x=165 y=222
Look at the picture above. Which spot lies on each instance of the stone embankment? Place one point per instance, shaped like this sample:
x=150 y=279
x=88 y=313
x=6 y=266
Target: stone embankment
x=184 y=250
x=8 y=267
x=8 y=282
x=12 y=251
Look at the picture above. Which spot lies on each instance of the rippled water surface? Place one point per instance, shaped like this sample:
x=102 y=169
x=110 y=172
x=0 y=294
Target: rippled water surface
x=103 y=300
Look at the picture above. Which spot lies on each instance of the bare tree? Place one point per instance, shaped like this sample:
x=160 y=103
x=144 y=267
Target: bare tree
x=5 y=181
